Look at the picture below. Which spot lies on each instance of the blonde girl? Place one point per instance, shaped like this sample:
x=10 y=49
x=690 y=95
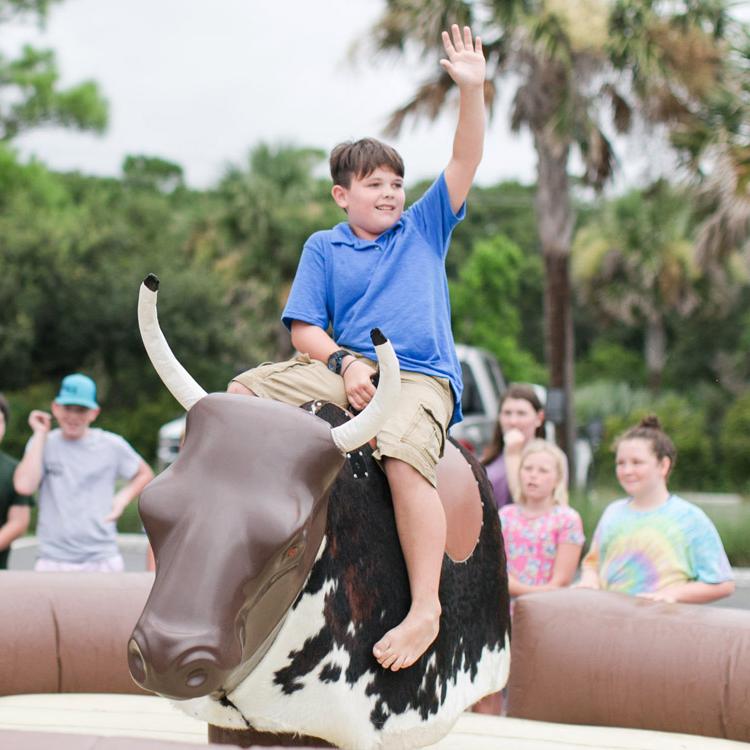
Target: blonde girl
x=543 y=535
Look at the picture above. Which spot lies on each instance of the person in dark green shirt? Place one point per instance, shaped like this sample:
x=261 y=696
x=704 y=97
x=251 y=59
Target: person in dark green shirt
x=15 y=509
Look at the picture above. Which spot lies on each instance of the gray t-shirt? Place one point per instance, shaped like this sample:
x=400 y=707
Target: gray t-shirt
x=76 y=492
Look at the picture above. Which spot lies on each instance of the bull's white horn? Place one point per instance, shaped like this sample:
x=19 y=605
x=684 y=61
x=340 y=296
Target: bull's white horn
x=178 y=380
x=366 y=425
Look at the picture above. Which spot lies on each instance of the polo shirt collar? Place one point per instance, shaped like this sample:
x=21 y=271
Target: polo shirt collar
x=342 y=234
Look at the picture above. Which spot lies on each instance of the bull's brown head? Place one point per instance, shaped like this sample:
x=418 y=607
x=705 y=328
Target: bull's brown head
x=235 y=522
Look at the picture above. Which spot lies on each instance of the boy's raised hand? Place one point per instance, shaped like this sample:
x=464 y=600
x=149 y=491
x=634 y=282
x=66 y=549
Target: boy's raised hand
x=465 y=63
x=40 y=421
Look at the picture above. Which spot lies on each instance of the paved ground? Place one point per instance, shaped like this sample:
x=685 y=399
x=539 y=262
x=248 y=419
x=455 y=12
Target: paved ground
x=133 y=548
x=23 y=719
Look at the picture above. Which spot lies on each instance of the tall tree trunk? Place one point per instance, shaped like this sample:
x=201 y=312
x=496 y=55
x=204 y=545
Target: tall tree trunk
x=555 y=220
x=655 y=351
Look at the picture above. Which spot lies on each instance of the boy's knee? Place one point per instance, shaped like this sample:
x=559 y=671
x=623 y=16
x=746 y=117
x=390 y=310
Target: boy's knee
x=403 y=473
x=235 y=387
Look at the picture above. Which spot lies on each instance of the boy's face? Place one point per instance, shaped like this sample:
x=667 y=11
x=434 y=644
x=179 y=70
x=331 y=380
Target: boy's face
x=373 y=203
x=73 y=420
x=2 y=426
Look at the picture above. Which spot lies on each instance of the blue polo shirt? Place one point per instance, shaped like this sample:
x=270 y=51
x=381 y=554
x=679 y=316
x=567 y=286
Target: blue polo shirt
x=395 y=282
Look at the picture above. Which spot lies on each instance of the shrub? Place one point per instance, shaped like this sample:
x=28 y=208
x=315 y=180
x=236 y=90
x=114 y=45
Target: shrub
x=735 y=443
x=607 y=360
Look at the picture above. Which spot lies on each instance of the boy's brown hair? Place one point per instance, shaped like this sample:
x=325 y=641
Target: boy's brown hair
x=361 y=158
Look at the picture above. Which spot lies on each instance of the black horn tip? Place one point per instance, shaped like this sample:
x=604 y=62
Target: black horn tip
x=152 y=282
x=377 y=337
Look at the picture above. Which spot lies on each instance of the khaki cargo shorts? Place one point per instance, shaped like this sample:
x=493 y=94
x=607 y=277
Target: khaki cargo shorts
x=415 y=433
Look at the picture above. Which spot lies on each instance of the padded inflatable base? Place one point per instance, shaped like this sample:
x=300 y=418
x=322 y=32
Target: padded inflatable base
x=28 y=716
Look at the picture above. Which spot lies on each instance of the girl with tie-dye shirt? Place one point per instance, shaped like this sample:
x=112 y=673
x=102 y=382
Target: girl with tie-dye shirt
x=653 y=543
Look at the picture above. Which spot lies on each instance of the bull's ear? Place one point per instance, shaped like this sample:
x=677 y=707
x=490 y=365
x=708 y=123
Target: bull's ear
x=366 y=425
x=178 y=380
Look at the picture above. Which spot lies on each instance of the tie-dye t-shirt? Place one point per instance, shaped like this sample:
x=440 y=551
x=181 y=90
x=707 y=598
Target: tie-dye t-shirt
x=642 y=551
x=531 y=543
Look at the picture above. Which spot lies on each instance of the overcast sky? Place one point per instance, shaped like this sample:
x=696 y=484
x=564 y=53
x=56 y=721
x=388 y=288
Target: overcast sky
x=200 y=82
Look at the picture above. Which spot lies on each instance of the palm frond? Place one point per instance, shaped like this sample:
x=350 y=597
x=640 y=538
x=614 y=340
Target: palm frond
x=622 y=112
x=598 y=158
x=428 y=101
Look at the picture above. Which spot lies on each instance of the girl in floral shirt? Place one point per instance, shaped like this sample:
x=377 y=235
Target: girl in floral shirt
x=543 y=535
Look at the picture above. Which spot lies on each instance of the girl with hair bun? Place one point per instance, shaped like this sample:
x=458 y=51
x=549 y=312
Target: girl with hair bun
x=654 y=543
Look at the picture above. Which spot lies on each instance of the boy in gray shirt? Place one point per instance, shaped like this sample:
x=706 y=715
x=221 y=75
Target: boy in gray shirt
x=75 y=468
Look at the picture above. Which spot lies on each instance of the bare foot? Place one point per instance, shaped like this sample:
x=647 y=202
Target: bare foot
x=403 y=645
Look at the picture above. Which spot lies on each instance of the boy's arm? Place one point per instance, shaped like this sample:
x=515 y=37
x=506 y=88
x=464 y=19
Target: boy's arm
x=313 y=340
x=28 y=474
x=131 y=490
x=466 y=66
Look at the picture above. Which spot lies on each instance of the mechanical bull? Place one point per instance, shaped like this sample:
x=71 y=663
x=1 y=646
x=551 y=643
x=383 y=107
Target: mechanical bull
x=279 y=566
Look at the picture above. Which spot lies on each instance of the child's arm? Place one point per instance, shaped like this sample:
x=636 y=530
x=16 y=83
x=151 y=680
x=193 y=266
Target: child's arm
x=466 y=66
x=692 y=592
x=130 y=491
x=28 y=474
x=566 y=562
x=15 y=526
x=313 y=340
x=590 y=568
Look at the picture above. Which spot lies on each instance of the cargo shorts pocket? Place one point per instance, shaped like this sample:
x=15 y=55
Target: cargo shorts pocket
x=425 y=434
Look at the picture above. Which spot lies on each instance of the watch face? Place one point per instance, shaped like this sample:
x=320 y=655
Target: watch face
x=334 y=361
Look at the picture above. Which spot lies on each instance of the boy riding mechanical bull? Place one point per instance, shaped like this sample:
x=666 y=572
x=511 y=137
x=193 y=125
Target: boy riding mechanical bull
x=385 y=267
x=315 y=573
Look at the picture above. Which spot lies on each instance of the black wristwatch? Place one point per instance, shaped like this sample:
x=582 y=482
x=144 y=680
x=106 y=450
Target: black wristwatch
x=335 y=360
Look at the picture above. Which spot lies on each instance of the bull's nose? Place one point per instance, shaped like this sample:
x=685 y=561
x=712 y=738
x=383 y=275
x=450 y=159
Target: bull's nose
x=136 y=663
x=195 y=672
x=196 y=678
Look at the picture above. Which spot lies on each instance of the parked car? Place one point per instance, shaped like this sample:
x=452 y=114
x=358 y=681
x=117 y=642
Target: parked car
x=484 y=384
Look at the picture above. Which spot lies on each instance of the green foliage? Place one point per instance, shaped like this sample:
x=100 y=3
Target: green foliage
x=266 y=209
x=37 y=396
x=30 y=94
x=484 y=300
x=735 y=442
x=152 y=173
x=507 y=209
x=602 y=399
x=608 y=360
x=30 y=97
x=18 y=8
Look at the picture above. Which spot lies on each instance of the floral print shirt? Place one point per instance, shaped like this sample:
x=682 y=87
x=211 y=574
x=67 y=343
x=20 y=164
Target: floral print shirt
x=531 y=542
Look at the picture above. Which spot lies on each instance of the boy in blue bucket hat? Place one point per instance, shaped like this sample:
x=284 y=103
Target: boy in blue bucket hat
x=75 y=467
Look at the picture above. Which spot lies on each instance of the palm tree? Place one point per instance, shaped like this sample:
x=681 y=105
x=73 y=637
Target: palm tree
x=583 y=69
x=634 y=263
x=267 y=207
